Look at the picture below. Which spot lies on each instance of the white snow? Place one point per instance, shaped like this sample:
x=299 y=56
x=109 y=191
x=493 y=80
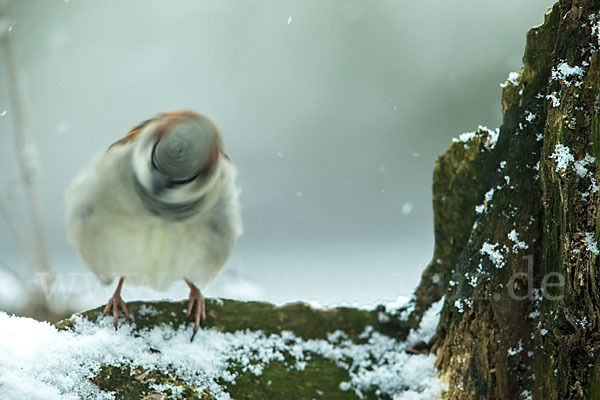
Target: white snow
x=513 y=78
x=391 y=307
x=527 y=395
x=494 y=255
x=461 y=303
x=534 y=314
x=566 y=73
x=562 y=156
x=42 y=363
x=487 y=198
x=595 y=29
x=581 y=165
x=401 y=301
x=518 y=244
x=459 y=306
x=591 y=243
x=428 y=325
x=514 y=351
x=555 y=99
x=490 y=137
x=489 y=194
x=465 y=137
x=529 y=116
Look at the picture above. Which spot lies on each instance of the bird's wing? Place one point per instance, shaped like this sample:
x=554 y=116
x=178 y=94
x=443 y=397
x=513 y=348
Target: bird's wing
x=133 y=132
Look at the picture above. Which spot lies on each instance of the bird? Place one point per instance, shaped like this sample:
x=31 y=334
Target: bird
x=159 y=205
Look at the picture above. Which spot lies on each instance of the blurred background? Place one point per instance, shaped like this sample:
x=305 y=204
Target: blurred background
x=333 y=111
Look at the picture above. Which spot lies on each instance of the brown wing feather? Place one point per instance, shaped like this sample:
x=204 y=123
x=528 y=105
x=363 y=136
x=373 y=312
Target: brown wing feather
x=167 y=120
x=133 y=132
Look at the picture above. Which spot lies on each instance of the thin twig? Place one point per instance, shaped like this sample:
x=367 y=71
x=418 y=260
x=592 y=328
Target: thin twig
x=26 y=154
x=20 y=234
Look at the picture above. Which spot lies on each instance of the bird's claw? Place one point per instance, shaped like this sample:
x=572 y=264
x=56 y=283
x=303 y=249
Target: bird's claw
x=115 y=302
x=200 y=312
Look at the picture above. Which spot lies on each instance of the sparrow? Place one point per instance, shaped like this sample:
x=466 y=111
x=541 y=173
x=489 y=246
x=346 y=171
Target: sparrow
x=160 y=205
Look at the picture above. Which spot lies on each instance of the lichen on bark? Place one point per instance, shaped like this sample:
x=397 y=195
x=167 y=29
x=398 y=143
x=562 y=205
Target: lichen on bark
x=508 y=328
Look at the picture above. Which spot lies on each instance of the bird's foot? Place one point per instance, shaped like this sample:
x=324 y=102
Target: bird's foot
x=200 y=312
x=115 y=302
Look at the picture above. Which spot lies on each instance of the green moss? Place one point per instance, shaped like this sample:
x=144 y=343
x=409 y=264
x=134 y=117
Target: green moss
x=230 y=316
x=596 y=139
x=511 y=94
x=564 y=133
x=319 y=380
x=132 y=383
x=594 y=387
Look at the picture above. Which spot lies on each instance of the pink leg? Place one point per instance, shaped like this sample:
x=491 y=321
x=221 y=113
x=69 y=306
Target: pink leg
x=200 y=312
x=115 y=302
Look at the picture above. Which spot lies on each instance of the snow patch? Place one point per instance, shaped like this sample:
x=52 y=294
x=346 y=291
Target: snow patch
x=562 y=156
x=494 y=255
x=555 y=99
x=529 y=116
x=514 y=351
x=513 y=78
x=518 y=244
x=568 y=74
x=39 y=361
x=428 y=325
x=581 y=165
x=591 y=243
x=490 y=137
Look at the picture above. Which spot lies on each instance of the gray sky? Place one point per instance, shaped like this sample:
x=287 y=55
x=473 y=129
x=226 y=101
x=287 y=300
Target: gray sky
x=333 y=111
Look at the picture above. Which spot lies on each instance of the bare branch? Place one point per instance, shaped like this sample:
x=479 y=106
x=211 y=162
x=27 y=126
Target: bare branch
x=26 y=151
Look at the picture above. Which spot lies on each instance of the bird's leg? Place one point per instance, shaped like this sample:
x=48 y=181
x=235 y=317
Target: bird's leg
x=196 y=297
x=115 y=302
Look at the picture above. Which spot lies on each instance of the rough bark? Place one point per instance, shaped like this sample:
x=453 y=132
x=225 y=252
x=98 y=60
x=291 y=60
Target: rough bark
x=507 y=331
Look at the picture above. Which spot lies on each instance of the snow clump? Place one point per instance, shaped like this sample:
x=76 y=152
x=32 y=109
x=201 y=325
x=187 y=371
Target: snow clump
x=562 y=156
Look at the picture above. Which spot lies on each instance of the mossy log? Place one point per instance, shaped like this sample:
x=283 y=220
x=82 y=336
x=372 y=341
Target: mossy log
x=320 y=378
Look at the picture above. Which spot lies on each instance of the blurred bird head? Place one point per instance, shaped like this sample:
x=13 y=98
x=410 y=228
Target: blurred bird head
x=174 y=160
